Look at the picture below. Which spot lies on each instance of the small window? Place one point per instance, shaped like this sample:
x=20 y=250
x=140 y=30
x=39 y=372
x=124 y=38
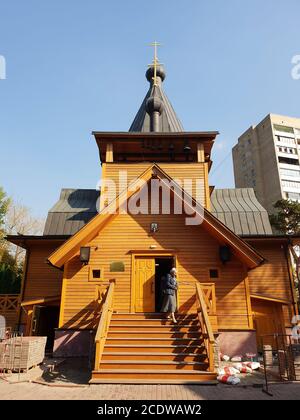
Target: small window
x=214 y=274
x=96 y=274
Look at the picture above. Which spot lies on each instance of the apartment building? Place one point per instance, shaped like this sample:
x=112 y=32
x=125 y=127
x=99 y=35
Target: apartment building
x=267 y=158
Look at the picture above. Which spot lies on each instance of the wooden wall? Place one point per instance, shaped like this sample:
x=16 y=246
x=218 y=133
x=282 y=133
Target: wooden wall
x=41 y=279
x=196 y=252
x=271 y=279
x=193 y=171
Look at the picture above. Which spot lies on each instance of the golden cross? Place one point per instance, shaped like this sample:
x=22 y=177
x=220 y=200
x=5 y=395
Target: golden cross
x=155 y=61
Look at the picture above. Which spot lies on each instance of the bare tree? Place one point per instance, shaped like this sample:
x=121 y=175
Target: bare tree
x=19 y=221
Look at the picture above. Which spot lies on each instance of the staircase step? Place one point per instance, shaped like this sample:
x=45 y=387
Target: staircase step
x=152 y=364
x=204 y=380
x=135 y=375
x=162 y=348
x=154 y=356
x=153 y=327
x=154 y=322
x=145 y=316
x=154 y=340
x=151 y=334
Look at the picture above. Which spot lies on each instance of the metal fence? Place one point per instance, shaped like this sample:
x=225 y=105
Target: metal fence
x=281 y=359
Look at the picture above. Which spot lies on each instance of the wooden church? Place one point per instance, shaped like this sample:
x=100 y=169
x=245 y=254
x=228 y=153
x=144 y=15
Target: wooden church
x=92 y=281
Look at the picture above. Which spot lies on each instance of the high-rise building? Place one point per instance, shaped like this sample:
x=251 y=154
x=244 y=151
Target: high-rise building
x=267 y=158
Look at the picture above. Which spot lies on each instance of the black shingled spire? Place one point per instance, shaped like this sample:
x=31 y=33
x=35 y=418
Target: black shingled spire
x=156 y=112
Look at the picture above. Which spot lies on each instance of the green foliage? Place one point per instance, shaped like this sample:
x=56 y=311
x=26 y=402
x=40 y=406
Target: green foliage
x=10 y=280
x=10 y=273
x=286 y=219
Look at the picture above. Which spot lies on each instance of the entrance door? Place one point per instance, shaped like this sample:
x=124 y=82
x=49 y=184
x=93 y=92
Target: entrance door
x=145 y=284
x=268 y=320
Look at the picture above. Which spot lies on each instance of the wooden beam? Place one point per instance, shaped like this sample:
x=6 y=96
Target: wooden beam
x=206 y=186
x=109 y=153
x=63 y=296
x=271 y=299
x=200 y=153
x=40 y=300
x=248 y=300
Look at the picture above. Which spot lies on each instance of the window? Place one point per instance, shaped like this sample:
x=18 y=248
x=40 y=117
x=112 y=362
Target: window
x=283 y=128
x=287 y=140
x=288 y=161
x=290 y=172
x=291 y=184
x=96 y=274
x=293 y=196
x=214 y=273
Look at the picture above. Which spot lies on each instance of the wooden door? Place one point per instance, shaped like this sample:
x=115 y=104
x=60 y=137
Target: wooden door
x=145 y=284
x=268 y=320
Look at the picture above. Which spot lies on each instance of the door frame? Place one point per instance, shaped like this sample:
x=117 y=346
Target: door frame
x=149 y=254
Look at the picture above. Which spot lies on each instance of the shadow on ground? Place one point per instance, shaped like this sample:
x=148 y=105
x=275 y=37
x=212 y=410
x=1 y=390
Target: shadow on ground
x=70 y=371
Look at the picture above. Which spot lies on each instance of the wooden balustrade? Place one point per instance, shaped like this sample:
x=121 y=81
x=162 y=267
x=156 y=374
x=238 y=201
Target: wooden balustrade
x=205 y=304
x=103 y=325
x=9 y=308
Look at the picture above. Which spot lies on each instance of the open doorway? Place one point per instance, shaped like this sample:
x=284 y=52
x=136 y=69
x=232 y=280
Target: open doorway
x=163 y=266
x=45 y=320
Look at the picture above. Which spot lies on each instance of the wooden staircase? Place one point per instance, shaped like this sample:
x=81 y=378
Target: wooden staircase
x=146 y=348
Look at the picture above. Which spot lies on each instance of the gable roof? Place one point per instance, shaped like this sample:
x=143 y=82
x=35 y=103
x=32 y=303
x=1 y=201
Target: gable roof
x=225 y=236
x=240 y=210
x=73 y=210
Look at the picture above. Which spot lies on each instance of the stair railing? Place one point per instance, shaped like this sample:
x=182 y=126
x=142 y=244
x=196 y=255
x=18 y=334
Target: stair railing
x=209 y=339
x=103 y=326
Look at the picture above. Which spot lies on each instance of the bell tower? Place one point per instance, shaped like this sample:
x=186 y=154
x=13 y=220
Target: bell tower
x=156 y=135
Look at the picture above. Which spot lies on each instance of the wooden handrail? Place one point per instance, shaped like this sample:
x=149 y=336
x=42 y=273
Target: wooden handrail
x=103 y=325
x=205 y=326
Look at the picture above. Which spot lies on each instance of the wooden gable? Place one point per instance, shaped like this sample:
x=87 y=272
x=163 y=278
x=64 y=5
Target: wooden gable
x=226 y=237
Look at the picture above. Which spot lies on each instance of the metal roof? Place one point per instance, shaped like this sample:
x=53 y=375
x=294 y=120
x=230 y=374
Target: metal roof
x=169 y=122
x=72 y=211
x=240 y=211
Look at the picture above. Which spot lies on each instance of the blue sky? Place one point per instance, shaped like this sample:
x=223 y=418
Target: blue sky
x=74 y=66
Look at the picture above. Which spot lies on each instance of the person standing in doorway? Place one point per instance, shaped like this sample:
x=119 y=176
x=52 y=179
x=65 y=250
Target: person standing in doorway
x=170 y=287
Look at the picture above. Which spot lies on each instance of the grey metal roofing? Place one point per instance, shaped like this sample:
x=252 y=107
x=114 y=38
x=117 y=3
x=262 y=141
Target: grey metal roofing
x=72 y=211
x=240 y=211
x=169 y=122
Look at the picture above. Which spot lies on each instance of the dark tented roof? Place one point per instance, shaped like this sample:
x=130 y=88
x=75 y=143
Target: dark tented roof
x=240 y=211
x=169 y=122
x=72 y=211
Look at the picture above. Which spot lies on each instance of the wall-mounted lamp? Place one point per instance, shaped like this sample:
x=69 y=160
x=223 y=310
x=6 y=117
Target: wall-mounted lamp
x=85 y=252
x=225 y=254
x=154 y=227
